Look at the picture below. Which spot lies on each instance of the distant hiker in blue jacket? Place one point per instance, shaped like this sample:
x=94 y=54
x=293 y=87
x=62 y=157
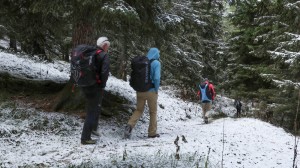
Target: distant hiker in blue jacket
x=207 y=95
x=150 y=96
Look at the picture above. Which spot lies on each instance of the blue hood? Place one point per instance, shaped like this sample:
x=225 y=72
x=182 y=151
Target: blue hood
x=153 y=53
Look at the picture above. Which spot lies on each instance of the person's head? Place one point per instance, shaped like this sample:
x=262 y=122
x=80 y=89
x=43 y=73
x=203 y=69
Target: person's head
x=153 y=53
x=205 y=80
x=103 y=43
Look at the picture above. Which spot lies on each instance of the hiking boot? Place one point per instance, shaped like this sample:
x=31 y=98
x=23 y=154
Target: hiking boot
x=154 y=136
x=127 y=131
x=206 y=120
x=88 y=142
x=96 y=133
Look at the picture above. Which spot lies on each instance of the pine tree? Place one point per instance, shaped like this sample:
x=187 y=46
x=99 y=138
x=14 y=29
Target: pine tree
x=264 y=53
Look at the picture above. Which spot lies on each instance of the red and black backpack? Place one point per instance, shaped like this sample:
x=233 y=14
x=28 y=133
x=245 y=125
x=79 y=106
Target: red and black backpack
x=83 y=65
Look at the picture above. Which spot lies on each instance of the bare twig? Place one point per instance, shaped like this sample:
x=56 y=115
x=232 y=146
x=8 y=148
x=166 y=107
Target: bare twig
x=177 y=148
x=184 y=139
x=124 y=155
x=207 y=158
x=223 y=142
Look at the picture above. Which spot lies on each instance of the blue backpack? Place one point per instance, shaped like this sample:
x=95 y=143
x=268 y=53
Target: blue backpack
x=205 y=93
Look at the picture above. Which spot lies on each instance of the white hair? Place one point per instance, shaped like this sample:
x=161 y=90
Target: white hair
x=101 y=41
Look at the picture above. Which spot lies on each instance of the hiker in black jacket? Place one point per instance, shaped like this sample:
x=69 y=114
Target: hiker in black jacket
x=238 y=106
x=94 y=93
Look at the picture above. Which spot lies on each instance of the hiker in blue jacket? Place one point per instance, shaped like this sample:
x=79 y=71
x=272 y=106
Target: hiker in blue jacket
x=207 y=95
x=149 y=96
x=155 y=68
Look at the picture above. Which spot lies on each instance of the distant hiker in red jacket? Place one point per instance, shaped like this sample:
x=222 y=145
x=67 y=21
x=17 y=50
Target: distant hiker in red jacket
x=207 y=95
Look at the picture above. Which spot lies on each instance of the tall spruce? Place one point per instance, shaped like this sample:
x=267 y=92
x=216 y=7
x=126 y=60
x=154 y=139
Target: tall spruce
x=265 y=53
x=192 y=30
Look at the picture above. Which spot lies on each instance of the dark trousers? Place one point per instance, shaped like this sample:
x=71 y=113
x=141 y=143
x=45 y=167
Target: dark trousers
x=93 y=95
x=238 y=112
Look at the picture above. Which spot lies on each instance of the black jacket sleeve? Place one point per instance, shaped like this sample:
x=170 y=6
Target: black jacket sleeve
x=103 y=66
x=104 y=71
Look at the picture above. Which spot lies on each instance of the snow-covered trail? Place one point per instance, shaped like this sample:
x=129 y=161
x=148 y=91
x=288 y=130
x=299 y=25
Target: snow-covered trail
x=247 y=143
x=37 y=139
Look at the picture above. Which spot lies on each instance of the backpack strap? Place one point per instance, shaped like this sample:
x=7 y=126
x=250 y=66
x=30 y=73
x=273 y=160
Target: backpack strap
x=98 y=51
x=100 y=54
x=152 y=84
x=152 y=60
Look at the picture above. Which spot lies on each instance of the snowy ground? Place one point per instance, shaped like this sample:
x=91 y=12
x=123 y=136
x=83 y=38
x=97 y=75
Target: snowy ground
x=37 y=139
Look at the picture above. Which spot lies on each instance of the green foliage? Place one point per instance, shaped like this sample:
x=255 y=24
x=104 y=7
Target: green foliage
x=264 y=48
x=187 y=35
x=4 y=95
x=36 y=28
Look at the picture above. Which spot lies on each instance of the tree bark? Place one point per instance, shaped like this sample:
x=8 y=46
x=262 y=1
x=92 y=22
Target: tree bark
x=123 y=57
x=13 y=44
x=83 y=33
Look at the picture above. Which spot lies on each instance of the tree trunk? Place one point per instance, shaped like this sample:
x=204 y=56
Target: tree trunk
x=38 y=49
x=123 y=60
x=282 y=119
x=83 y=34
x=66 y=57
x=27 y=86
x=66 y=99
x=13 y=44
